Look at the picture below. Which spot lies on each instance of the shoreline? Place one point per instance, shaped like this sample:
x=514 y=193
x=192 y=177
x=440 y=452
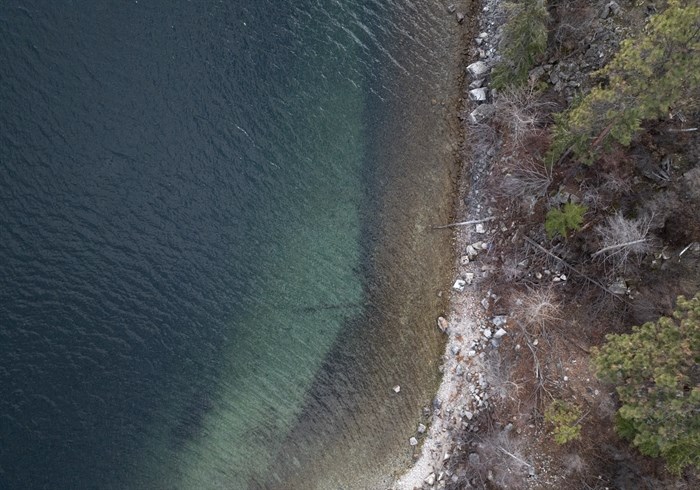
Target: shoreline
x=462 y=393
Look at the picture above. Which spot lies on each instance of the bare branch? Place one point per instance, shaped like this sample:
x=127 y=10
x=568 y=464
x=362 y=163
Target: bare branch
x=465 y=223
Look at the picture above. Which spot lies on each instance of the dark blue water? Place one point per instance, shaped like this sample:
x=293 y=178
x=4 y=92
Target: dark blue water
x=200 y=209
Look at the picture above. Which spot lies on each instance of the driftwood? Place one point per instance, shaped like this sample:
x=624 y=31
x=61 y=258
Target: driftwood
x=618 y=245
x=465 y=223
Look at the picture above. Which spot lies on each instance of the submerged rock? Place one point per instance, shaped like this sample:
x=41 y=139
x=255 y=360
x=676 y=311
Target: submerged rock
x=442 y=324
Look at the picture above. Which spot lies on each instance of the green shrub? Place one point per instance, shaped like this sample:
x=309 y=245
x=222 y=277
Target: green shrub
x=654 y=71
x=561 y=221
x=524 y=42
x=564 y=417
x=656 y=372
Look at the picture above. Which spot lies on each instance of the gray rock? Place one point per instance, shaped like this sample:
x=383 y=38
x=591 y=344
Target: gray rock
x=477 y=83
x=477 y=69
x=430 y=480
x=442 y=324
x=469 y=415
x=536 y=73
x=478 y=94
x=612 y=8
x=474 y=459
x=480 y=227
x=455 y=350
x=618 y=287
x=471 y=252
x=499 y=320
x=469 y=277
x=459 y=285
x=484 y=111
x=451 y=8
x=488 y=333
x=460 y=17
x=421 y=428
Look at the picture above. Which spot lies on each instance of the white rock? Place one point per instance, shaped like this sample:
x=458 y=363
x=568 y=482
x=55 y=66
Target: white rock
x=478 y=94
x=499 y=320
x=480 y=228
x=421 y=428
x=469 y=415
x=479 y=82
x=488 y=333
x=396 y=389
x=464 y=260
x=499 y=333
x=430 y=480
x=442 y=324
x=471 y=252
x=459 y=285
x=413 y=441
x=469 y=277
x=477 y=69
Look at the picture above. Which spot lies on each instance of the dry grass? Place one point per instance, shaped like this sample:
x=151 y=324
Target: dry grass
x=526 y=178
x=520 y=114
x=538 y=309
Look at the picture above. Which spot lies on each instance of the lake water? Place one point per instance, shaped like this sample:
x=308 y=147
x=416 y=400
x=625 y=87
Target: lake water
x=215 y=254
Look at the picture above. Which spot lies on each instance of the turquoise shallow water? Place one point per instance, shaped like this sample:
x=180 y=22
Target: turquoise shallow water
x=214 y=257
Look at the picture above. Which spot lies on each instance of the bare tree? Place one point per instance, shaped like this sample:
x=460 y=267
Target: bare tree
x=622 y=240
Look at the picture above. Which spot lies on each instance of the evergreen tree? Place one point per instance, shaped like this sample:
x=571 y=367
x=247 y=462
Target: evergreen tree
x=524 y=42
x=657 y=372
x=653 y=72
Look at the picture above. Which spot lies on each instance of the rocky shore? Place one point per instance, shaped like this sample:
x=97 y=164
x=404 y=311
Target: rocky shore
x=476 y=324
x=471 y=326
